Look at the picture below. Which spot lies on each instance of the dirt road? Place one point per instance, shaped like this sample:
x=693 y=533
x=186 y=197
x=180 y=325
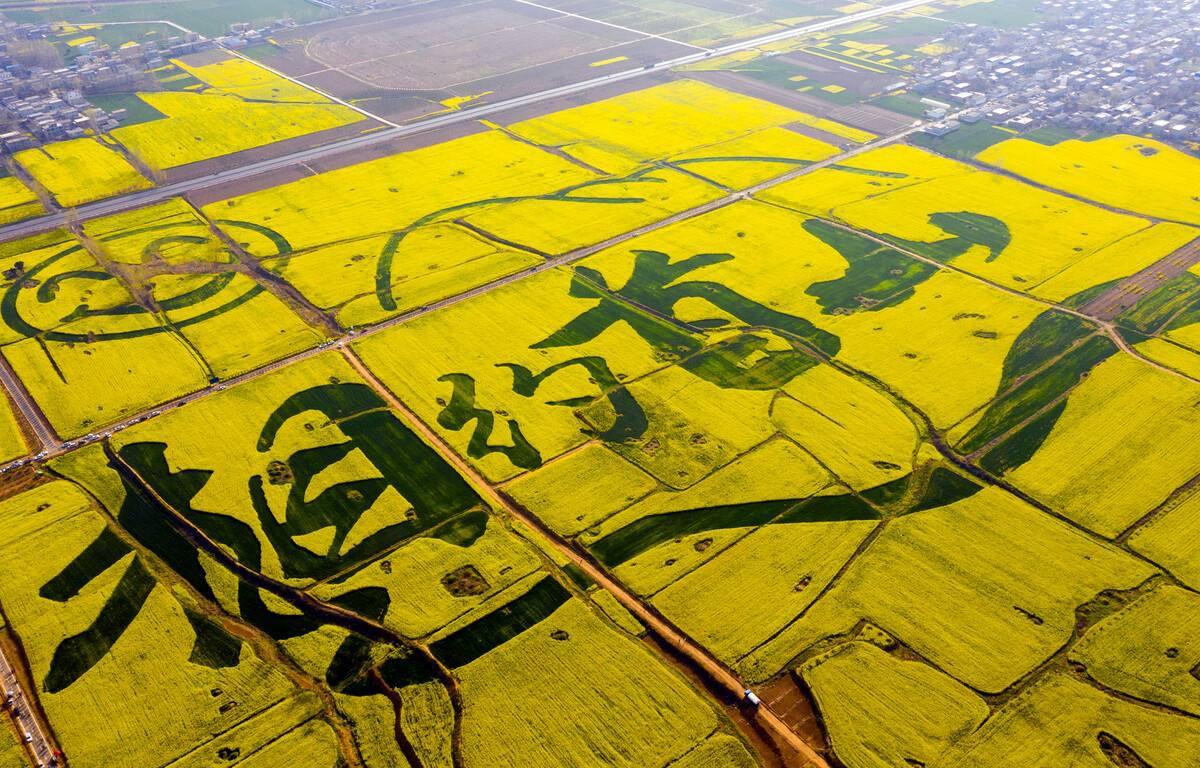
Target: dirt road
x=696 y=654
x=1125 y=294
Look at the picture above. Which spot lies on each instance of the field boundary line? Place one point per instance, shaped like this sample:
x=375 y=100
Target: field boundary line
x=663 y=628
x=645 y=35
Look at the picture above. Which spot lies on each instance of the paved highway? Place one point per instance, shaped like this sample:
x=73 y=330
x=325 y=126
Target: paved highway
x=124 y=202
x=34 y=738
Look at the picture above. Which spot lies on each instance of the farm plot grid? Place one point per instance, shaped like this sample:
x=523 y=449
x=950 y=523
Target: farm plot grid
x=845 y=421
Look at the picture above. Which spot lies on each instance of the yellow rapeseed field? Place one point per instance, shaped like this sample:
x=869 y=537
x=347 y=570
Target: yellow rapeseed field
x=881 y=711
x=236 y=336
x=17 y=201
x=581 y=488
x=48 y=527
x=12 y=443
x=1172 y=539
x=250 y=81
x=428 y=717
x=1048 y=232
x=775 y=470
x=861 y=435
x=393 y=193
x=755 y=157
x=498 y=328
x=79 y=171
x=895 y=166
x=1131 y=651
x=420 y=605
x=1170 y=354
x=1122 y=258
x=918 y=347
x=201 y=126
x=1114 y=453
x=774 y=258
x=654 y=123
x=784 y=566
x=614 y=703
x=1129 y=172
x=563 y=224
x=432 y=263
x=695 y=426
x=718 y=750
x=221 y=433
x=946 y=583
x=82 y=386
x=313 y=743
x=1056 y=720
x=168 y=231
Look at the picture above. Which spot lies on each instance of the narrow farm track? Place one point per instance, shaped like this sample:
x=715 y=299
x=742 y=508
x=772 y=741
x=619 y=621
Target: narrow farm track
x=424 y=125
x=1127 y=293
x=703 y=661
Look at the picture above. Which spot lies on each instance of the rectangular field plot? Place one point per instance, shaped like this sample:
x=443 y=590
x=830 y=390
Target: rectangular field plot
x=150 y=305
x=985 y=615
x=1129 y=172
x=17 y=201
x=81 y=170
x=237 y=106
x=1109 y=452
x=1059 y=720
x=302 y=512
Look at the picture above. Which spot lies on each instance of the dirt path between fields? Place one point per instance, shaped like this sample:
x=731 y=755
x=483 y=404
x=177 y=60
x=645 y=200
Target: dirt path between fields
x=666 y=632
x=1128 y=292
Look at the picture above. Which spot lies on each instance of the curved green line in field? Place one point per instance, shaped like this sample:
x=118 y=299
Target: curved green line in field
x=383 y=268
x=280 y=242
x=49 y=287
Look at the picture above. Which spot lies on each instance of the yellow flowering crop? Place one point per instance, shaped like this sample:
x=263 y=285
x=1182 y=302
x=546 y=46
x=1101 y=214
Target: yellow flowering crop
x=1055 y=721
x=605 y=685
x=82 y=386
x=1122 y=258
x=48 y=527
x=1114 y=453
x=960 y=615
x=79 y=171
x=250 y=81
x=1129 y=172
x=17 y=201
x=881 y=710
x=200 y=126
x=657 y=122
x=1171 y=539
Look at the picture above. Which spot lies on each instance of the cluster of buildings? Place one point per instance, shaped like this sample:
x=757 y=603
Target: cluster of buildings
x=45 y=83
x=1130 y=66
x=44 y=94
x=243 y=34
